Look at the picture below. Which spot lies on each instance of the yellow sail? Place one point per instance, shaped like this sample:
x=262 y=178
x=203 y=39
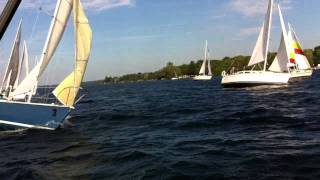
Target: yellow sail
x=68 y=89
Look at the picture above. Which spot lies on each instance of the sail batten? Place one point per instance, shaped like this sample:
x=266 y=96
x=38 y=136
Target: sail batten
x=260 y=51
x=67 y=91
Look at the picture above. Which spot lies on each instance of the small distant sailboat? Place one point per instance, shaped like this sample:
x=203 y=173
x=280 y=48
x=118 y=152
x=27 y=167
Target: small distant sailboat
x=202 y=74
x=302 y=67
x=28 y=114
x=175 y=76
x=277 y=73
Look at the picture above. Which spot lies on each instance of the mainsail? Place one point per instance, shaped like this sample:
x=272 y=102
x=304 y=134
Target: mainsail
x=283 y=56
x=203 y=66
x=68 y=89
x=260 y=51
x=296 y=48
x=12 y=70
x=7 y=15
x=24 y=63
x=57 y=28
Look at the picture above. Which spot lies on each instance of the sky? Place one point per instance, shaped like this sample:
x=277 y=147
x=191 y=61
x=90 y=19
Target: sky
x=131 y=36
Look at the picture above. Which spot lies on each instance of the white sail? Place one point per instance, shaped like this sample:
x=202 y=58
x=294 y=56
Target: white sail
x=12 y=71
x=283 y=56
x=24 y=63
x=209 y=64
x=58 y=25
x=300 y=59
x=260 y=51
x=203 y=66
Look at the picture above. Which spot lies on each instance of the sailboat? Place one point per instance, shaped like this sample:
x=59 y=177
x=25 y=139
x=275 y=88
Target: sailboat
x=202 y=73
x=277 y=73
x=49 y=116
x=175 y=76
x=302 y=66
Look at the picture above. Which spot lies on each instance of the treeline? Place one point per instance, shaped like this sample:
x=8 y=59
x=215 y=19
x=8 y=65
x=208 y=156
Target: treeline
x=192 y=69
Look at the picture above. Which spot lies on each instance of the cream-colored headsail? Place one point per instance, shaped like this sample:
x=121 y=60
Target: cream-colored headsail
x=67 y=91
x=58 y=25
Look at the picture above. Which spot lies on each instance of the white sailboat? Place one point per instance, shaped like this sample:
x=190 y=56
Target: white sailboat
x=30 y=114
x=277 y=72
x=202 y=73
x=302 y=66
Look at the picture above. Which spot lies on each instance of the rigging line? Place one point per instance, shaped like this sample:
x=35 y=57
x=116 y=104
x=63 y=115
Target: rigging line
x=35 y=23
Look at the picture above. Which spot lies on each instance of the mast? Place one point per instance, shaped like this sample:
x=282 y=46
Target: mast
x=270 y=9
x=7 y=15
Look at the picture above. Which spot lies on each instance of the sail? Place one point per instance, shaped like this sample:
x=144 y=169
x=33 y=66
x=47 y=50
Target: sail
x=7 y=15
x=67 y=90
x=209 y=65
x=283 y=56
x=57 y=28
x=203 y=66
x=260 y=51
x=12 y=70
x=296 y=48
x=24 y=63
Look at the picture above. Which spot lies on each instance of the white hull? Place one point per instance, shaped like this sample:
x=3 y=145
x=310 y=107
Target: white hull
x=254 y=78
x=301 y=73
x=202 y=78
x=32 y=115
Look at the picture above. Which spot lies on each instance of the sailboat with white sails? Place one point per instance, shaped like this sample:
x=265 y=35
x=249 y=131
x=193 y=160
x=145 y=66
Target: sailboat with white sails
x=302 y=67
x=202 y=73
x=29 y=114
x=278 y=72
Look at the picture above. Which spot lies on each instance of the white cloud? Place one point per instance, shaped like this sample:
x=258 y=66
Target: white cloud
x=219 y=16
x=249 y=31
x=251 y=8
x=100 y=5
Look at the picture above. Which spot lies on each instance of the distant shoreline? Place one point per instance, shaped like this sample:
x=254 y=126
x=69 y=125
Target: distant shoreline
x=192 y=69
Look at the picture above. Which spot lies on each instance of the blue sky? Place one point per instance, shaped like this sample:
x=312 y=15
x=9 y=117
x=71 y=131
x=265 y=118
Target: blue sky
x=143 y=35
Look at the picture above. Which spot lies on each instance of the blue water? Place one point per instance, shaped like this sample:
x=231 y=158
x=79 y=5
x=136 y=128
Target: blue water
x=176 y=130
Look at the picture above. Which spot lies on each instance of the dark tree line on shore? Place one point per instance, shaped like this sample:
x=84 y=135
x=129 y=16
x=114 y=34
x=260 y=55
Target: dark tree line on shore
x=191 y=69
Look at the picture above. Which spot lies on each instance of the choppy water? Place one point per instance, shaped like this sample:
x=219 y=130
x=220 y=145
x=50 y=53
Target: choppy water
x=176 y=130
